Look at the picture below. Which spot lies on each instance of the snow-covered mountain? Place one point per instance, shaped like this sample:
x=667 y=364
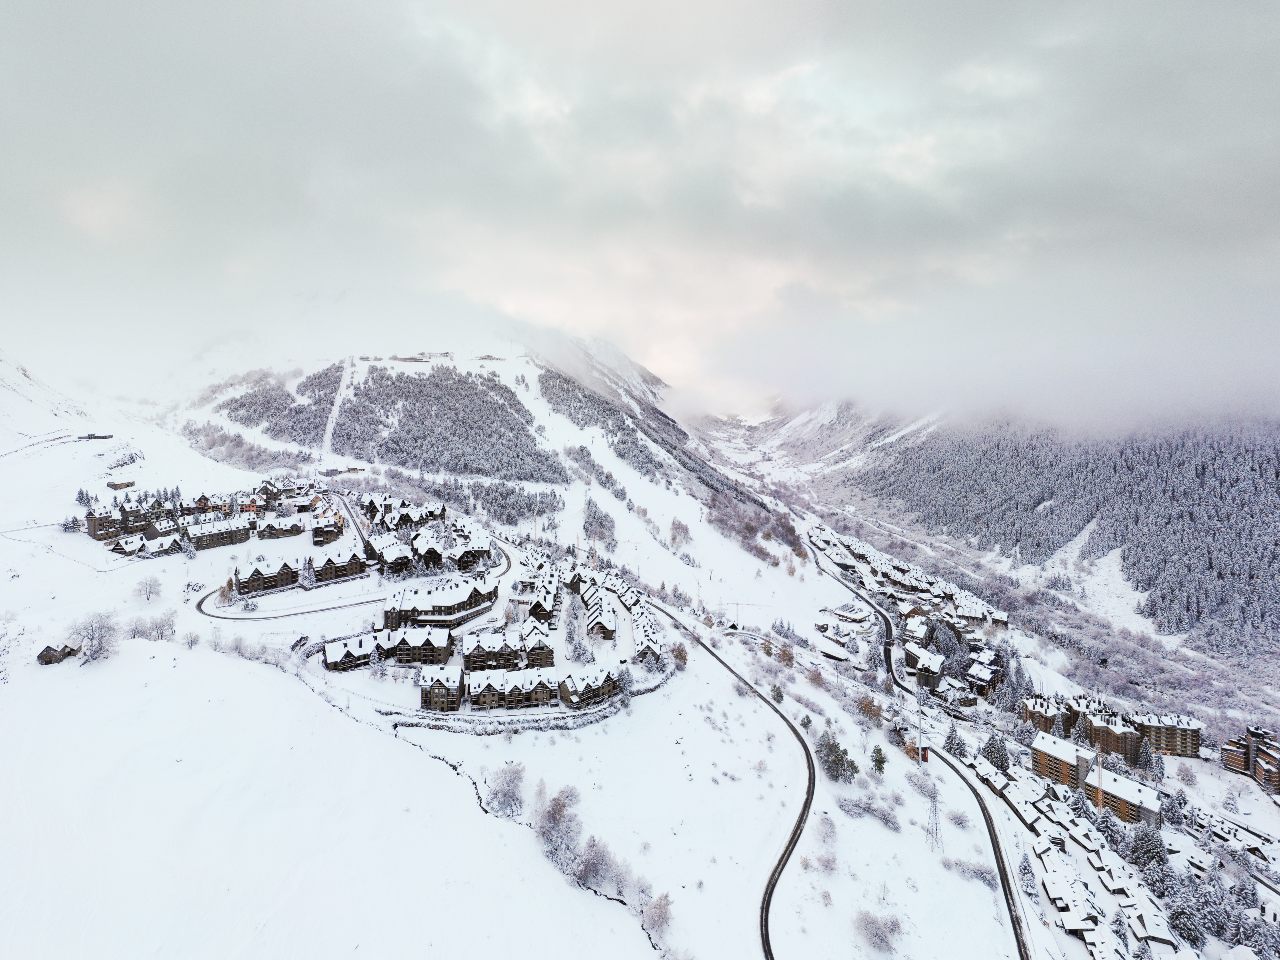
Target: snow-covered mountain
x=1175 y=525
x=31 y=411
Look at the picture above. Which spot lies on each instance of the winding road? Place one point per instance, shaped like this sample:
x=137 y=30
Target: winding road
x=793 y=840
x=1015 y=917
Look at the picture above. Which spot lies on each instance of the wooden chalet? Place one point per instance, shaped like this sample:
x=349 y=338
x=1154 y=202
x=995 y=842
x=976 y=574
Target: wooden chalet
x=278 y=527
x=102 y=523
x=486 y=690
x=531 y=688
x=56 y=653
x=430 y=645
x=449 y=601
x=337 y=567
x=491 y=651
x=390 y=551
x=588 y=687
x=219 y=533
x=264 y=578
x=325 y=532
x=538 y=653
x=441 y=687
x=511 y=690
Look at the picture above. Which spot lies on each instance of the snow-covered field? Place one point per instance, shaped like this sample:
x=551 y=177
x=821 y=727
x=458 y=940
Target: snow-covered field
x=174 y=802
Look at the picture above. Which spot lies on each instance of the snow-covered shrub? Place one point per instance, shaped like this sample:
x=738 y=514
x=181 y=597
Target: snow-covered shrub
x=657 y=914
x=880 y=933
x=596 y=867
x=972 y=870
x=148 y=588
x=866 y=806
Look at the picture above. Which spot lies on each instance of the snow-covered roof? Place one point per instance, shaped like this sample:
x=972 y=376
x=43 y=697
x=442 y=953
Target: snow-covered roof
x=930 y=662
x=440 y=592
x=1178 y=720
x=1056 y=747
x=448 y=674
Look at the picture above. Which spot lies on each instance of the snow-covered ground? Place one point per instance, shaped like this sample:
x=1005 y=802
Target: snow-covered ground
x=174 y=802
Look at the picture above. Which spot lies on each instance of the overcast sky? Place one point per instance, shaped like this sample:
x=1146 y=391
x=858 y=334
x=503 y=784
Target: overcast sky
x=1062 y=209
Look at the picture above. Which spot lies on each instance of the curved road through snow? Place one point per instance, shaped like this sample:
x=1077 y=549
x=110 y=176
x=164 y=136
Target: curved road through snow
x=1015 y=918
x=793 y=840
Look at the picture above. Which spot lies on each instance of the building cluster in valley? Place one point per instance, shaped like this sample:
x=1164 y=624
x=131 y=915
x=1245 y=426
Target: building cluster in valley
x=1111 y=731
x=514 y=665
x=1078 y=866
x=402 y=534
x=390 y=523
x=932 y=613
x=1256 y=754
x=153 y=526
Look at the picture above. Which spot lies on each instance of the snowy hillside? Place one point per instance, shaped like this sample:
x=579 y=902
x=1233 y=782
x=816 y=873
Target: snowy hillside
x=754 y=784
x=1163 y=530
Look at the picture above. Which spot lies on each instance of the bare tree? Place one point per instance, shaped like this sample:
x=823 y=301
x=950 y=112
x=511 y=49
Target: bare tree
x=657 y=914
x=506 y=794
x=96 y=635
x=148 y=588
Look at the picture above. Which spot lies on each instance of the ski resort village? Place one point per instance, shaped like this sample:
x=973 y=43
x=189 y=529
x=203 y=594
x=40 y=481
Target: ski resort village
x=422 y=627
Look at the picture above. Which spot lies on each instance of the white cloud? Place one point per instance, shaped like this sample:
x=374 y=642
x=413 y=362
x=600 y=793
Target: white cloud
x=1016 y=207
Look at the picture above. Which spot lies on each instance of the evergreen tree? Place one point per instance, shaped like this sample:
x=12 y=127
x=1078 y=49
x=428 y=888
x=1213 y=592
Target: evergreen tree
x=834 y=759
x=1120 y=927
x=1024 y=733
x=1080 y=805
x=1173 y=808
x=954 y=744
x=1113 y=830
x=1182 y=909
x=1246 y=893
x=878 y=760
x=1146 y=756
x=995 y=752
x=1027 y=876
x=1058 y=730
x=1147 y=847
x=1078 y=735
x=1157 y=768
x=1159 y=878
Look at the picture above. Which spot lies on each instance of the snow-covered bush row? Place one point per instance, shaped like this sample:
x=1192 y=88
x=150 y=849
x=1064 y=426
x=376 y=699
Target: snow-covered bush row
x=583 y=458
x=973 y=870
x=1197 y=511
x=444 y=422
x=219 y=444
x=866 y=806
